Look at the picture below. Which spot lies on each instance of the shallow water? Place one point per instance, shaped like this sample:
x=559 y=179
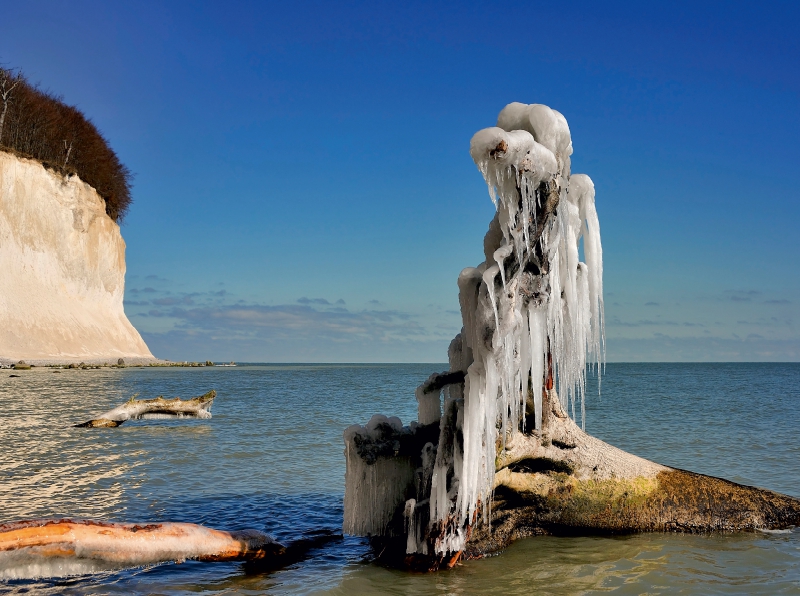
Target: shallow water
x=271 y=458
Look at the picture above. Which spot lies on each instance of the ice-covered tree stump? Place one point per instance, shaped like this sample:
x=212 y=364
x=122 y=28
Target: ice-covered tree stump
x=495 y=454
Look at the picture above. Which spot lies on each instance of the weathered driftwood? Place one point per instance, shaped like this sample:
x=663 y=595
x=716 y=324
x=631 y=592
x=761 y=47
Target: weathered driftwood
x=64 y=546
x=137 y=409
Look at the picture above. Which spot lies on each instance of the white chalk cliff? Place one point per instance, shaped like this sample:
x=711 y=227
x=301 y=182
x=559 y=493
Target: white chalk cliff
x=62 y=270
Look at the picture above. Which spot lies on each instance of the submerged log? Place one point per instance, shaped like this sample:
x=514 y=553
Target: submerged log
x=57 y=547
x=138 y=409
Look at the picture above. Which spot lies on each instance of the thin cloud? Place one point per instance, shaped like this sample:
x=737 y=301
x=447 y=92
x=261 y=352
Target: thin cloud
x=742 y=295
x=305 y=300
x=171 y=301
x=293 y=332
x=615 y=322
x=295 y=321
x=642 y=323
x=665 y=348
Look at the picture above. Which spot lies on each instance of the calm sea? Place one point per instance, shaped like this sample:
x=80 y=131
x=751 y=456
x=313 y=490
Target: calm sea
x=271 y=458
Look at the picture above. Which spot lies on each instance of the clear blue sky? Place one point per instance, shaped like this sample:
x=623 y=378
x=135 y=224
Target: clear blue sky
x=304 y=190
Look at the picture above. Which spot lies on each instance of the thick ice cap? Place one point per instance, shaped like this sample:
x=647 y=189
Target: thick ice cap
x=547 y=126
x=564 y=128
x=550 y=129
x=539 y=164
x=515 y=117
x=581 y=191
x=500 y=146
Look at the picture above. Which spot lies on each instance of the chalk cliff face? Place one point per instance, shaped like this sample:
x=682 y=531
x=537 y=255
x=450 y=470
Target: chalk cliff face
x=62 y=270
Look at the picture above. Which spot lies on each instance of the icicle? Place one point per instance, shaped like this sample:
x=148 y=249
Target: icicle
x=488 y=278
x=538 y=333
x=593 y=252
x=500 y=255
x=525 y=363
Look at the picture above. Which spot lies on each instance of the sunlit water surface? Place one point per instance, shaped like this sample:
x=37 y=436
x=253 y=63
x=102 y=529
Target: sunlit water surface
x=271 y=458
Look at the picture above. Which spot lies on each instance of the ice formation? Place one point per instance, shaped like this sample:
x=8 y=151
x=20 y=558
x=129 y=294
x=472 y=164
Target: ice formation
x=532 y=317
x=376 y=484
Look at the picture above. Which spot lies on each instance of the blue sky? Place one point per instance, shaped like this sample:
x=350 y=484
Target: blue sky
x=304 y=190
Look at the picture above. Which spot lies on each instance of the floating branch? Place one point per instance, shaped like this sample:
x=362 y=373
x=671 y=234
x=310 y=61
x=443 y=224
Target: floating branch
x=58 y=547
x=158 y=408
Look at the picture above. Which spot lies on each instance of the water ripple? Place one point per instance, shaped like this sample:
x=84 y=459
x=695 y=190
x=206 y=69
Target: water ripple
x=271 y=459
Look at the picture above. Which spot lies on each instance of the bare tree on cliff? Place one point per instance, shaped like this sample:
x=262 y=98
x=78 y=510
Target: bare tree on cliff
x=8 y=82
x=40 y=125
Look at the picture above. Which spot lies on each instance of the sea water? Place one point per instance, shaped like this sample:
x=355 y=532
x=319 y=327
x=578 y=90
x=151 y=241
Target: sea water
x=271 y=459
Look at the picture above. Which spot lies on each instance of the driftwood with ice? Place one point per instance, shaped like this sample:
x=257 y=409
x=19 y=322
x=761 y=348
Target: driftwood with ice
x=64 y=547
x=158 y=408
x=496 y=453
x=60 y=547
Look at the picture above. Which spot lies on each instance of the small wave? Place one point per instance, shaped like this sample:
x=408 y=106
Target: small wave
x=768 y=531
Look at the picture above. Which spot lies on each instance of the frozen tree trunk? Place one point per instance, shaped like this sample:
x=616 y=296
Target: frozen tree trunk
x=558 y=481
x=137 y=409
x=494 y=455
x=63 y=546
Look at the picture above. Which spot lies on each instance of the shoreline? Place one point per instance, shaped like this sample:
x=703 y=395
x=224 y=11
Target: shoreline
x=9 y=363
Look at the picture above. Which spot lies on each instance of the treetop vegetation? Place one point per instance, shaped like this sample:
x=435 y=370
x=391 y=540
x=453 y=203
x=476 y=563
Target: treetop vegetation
x=39 y=125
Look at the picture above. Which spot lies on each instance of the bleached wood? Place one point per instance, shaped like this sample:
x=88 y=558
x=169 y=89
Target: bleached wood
x=136 y=409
